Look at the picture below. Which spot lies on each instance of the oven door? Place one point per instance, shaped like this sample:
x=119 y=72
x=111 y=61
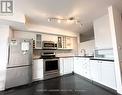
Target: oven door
x=51 y=66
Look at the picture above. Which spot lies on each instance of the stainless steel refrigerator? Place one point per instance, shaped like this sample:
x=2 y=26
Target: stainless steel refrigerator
x=19 y=67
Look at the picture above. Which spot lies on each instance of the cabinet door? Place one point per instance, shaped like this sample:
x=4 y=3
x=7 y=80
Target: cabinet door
x=65 y=42
x=86 y=68
x=102 y=33
x=49 y=37
x=95 y=70
x=38 y=41
x=108 y=74
x=61 y=64
x=69 y=42
x=82 y=67
x=60 y=42
x=77 y=65
x=68 y=65
x=37 y=69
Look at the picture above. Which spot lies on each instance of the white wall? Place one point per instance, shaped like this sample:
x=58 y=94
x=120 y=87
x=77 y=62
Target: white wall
x=89 y=46
x=115 y=19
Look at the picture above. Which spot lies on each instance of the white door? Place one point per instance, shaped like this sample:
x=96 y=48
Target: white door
x=69 y=42
x=61 y=64
x=37 y=69
x=95 y=70
x=86 y=68
x=68 y=65
x=78 y=65
x=108 y=74
x=102 y=32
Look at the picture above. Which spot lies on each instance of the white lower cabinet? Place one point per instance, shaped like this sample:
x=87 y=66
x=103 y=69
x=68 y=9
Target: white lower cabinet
x=95 y=71
x=78 y=65
x=61 y=66
x=103 y=72
x=37 y=70
x=66 y=65
x=86 y=68
x=82 y=66
x=108 y=74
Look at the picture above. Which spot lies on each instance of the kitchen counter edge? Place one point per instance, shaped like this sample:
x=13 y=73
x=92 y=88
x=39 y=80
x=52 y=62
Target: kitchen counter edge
x=102 y=59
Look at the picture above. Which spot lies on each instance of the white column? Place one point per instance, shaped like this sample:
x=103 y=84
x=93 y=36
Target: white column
x=4 y=34
x=116 y=32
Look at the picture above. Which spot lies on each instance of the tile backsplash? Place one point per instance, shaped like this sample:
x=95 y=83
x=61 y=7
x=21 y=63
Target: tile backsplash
x=59 y=53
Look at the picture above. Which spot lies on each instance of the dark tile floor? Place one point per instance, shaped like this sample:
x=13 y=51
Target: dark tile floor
x=67 y=85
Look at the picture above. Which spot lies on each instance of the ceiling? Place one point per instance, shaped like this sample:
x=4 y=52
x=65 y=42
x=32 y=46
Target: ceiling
x=38 y=11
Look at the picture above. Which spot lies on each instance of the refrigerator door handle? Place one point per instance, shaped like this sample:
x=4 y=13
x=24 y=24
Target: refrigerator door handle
x=8 y=54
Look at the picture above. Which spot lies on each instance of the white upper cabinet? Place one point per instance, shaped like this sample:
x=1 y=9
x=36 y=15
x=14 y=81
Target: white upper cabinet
x=65 y=42
x=37 y=43
x=37 y=38
x=95 y=70
x=69 y=43
x=102 y=33
x=60 y=42
x=49 y=37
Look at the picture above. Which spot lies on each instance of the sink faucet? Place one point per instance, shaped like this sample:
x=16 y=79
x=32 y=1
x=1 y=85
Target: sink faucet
x=83 y=51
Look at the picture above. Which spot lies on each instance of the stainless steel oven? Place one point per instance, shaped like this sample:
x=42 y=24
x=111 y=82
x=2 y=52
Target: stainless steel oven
x=51 y=68
x=49 y=45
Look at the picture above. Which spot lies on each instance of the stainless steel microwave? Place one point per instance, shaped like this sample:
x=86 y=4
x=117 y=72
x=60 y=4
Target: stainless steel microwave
x=49 y=45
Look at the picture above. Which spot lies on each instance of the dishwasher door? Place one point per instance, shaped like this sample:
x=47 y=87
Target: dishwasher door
x=18 y=76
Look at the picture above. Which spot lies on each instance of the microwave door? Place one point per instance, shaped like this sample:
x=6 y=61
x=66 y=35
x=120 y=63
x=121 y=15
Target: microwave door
x=49 y=45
